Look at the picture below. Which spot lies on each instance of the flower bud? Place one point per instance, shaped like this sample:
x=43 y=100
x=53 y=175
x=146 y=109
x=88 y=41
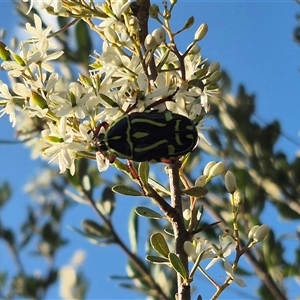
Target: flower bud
x=200 y=181
x=18 y=59
x=214 y=77
x=153 y=11
x=187 y=214
x=260 y=233
x=189 y=249
x=201 y=32
x=150 y=42
x=238 y=198
x=195 y=49
x=173 y=2
x=133 y=26
x=215 y=66
x=110 y=35
x=208 y=167
x=4 y=53
x=159 y=35
x=54 y=139
x=252 y=231
x=217 y=169
x=189 y=23
x=230 y=182
x=39 y=100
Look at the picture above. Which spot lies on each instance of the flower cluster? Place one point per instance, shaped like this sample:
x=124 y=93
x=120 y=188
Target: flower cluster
x=130 y=73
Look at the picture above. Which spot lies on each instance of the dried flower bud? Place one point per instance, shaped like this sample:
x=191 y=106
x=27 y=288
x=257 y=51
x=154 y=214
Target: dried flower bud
x=230 y=182
x=201 y=32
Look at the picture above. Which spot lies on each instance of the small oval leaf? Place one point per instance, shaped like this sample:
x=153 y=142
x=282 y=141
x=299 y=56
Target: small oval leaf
x=126 y=190
x=157 y=259
x=177 y=265
x=159 y=244
x=94 y=229
x=148 y=213
x=107 y=202
x=196 y=191
x=143 y=172
x=158 y=186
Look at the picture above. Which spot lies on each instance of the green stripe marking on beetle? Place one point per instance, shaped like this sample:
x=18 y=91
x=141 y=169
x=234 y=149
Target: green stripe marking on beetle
x=149 y=136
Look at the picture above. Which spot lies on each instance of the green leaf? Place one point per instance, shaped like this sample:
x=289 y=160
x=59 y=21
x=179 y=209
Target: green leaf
x=9 y=236
x=157 y=259
x=133 y=230
x=169 y=231
x=81 y=170
x=147 y=213
x=159 y=244
x=5 y=193
x=158 y=186
x=84 y=42
x=143 y=172
x=109 y=101
x=196 y=191
x=177 y=265
x=126 y=190
x=94 y=229
x=92 y=239
x=107 y=202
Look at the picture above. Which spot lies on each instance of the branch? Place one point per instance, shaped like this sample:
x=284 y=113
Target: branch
x=180 y=233
x=139 y=264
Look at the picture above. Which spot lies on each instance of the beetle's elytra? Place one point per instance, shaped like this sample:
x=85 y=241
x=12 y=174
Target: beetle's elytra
x=149 y=136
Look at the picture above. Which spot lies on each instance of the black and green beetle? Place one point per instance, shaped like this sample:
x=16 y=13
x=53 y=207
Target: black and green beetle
x=148 y=136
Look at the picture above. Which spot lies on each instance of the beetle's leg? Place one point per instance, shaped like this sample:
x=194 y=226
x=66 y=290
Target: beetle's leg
x=135 y=175
x=98 y=128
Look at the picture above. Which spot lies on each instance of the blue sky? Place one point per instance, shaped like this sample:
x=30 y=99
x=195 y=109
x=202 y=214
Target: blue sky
x=253 y=42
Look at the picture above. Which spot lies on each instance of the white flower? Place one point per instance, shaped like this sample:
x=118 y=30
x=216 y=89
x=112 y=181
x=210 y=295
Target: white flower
x=118 y=7
x=9 y=102
x=193 y=250
x=62 y=148
x=75 y=105
x=220 y=252
x=37 y=30
x=102 y=162
x=56 y=4
x=230 y=273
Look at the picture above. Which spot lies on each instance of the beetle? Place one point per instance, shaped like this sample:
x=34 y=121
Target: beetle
x=148 y=136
